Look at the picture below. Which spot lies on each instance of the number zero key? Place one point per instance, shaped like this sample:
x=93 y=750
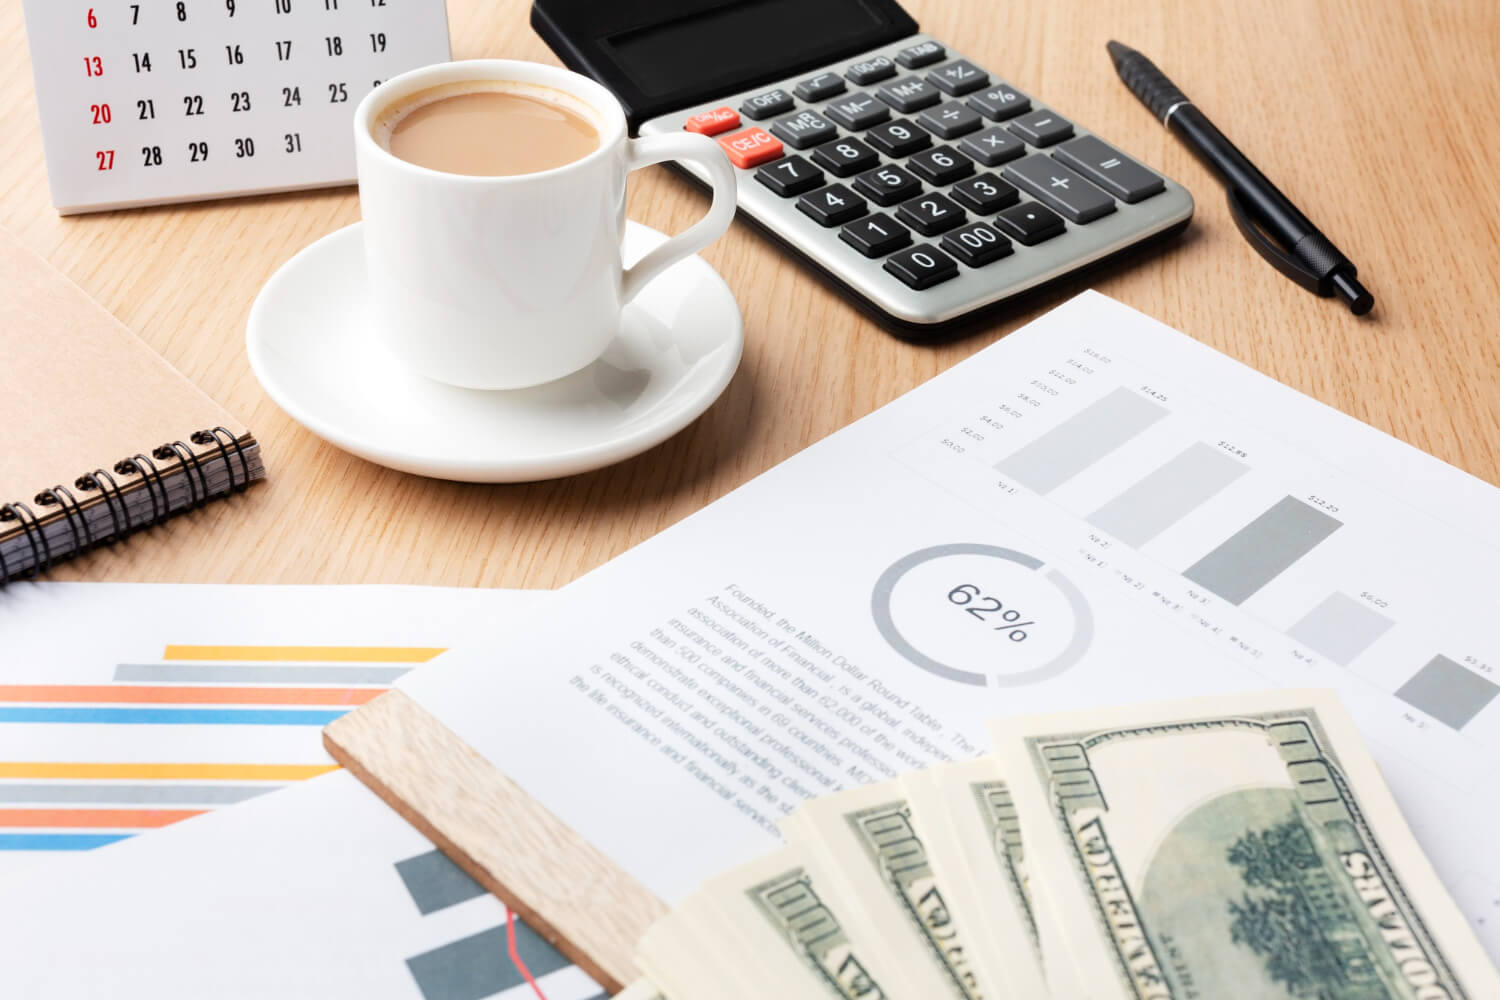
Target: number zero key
x=922 y=266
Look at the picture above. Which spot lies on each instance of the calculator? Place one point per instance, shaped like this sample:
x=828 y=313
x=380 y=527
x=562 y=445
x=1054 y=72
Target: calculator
x=914 y=176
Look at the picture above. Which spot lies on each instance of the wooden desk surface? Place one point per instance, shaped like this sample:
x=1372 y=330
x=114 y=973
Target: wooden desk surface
x=1379 y=117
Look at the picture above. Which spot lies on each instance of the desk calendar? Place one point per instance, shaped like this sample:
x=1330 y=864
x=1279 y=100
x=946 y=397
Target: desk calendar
x=177 y=100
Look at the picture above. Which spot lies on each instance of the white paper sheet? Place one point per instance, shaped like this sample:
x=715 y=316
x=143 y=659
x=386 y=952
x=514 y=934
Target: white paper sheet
x=305 y=888
x=1095 y=510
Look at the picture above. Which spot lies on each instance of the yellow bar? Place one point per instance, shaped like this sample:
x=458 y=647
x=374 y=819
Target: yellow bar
x=306 y=654
x=169 y=772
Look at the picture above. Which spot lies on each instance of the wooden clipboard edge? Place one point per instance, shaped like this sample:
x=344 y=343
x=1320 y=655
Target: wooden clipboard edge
x=582 y=903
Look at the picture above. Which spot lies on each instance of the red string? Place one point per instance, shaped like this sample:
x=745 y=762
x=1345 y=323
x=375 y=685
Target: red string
x=515 y=955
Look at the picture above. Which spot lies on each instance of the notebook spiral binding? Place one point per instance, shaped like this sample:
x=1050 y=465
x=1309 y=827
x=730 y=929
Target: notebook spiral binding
x=103 y=483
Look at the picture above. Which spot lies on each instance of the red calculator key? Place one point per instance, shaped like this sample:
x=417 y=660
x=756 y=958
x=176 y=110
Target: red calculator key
x=713 y=122
x=751 y=147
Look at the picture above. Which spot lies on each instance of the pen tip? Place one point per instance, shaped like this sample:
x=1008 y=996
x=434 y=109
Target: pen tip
x=1359 y=299
x=1118 y=52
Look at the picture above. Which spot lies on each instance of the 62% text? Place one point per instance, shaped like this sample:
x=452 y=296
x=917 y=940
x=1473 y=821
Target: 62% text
x=969 y=597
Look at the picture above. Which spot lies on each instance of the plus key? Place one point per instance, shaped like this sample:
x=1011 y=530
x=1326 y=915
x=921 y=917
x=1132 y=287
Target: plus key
x=1056 y=186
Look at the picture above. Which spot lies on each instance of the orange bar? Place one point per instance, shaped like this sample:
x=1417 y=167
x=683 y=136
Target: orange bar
x=69 y=770
x=307 y=654
x=135 y=695
x=129 y=818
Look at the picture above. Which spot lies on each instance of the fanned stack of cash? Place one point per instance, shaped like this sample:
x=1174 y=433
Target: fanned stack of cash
x=1214 y=849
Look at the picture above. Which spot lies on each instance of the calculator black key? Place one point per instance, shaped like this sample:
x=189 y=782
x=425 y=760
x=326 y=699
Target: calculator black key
x=923 y=266
x=940 y=165
x=1030 y=223
x=887 y=184
x=930 y=214
x=986 y=194
x=993 y=146
x=815 y=88
x=763 y=106
x=909 y=94
x=1000 y=102
x=958 y=77
x=804 y=129
x=921 y=54
x=950 y=120
x=1058 y=187
x=899 y=138
x=832 y=205
x=790 y=175
x=1109 y=168
x=858 y=112
x=977 y=244
x=1042 y=128
x=871 y=70
x=844 y=157
x=876 y=236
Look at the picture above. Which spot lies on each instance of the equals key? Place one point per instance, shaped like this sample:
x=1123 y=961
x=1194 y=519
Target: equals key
x=1109 y=168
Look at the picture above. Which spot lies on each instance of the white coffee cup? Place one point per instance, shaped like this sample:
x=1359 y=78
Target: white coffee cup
x=505 y=282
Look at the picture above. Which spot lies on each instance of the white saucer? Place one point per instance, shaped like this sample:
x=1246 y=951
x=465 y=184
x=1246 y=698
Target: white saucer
x=314 y=353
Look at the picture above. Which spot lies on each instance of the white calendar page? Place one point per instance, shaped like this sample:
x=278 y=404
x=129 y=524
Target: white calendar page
x=177 y=100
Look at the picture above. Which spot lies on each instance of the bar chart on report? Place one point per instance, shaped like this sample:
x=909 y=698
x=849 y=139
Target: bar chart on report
x=141 y=745
x=1225 y=522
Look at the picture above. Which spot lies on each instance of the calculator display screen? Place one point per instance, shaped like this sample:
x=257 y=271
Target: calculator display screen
x=734 y=40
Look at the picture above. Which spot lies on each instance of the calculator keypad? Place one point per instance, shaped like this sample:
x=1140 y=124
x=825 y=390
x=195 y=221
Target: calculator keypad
x=940 y=150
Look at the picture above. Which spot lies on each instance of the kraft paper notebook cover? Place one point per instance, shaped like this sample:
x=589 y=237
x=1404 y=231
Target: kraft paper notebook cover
x=99 y=437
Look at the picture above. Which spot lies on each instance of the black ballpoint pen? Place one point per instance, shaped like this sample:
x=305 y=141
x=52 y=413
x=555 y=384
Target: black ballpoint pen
x=1272 y=224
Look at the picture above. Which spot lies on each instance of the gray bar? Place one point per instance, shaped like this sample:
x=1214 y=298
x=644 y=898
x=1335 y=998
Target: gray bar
x=215 y=795
x=1081 y=440
x=1167 y=495
x=1340 y=628
x=480 y=966
x=1448 y=691
x=1262 y=550
x=436 y=882
x=221 y=673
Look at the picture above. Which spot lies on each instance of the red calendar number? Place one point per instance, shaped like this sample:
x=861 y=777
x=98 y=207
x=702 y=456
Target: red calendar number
x=106 y=158
x=101 y=113
x=93 y=21
x=93 y=65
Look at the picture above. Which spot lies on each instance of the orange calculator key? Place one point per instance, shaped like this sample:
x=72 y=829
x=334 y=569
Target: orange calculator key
x=713 y=122
x=751 y=147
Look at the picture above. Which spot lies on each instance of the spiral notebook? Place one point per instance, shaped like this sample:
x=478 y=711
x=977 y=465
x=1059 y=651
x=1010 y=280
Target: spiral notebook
x=99 y=437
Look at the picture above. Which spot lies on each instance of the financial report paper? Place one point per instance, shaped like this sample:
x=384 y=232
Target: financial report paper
x=1095 y=510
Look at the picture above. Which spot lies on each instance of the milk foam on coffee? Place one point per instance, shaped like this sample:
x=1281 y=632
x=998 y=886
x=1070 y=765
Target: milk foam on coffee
x=488 y=128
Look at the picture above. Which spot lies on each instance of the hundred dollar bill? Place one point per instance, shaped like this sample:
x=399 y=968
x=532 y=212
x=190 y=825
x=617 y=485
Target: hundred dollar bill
x=1241 y=847
x=770 y=928
x=973 y=839
x=866 y=839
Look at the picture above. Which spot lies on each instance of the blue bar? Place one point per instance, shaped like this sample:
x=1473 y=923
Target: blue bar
x=175 y=716
x=59 y=841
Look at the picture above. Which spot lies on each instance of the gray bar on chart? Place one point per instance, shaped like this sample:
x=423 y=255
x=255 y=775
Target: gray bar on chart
x=1168 y=494
x=1081 y=440
x=1262 y=550
x=436 y=883
x=480 y=966
x=1448 y=691
x=1340 y=628
x=222 y=673
x=120 y=794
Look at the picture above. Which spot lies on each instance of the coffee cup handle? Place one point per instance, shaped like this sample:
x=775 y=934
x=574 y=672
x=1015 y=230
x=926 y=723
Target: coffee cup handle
x=705 y=152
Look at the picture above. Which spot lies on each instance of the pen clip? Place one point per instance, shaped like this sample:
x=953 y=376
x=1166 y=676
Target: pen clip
x=1270 y=250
